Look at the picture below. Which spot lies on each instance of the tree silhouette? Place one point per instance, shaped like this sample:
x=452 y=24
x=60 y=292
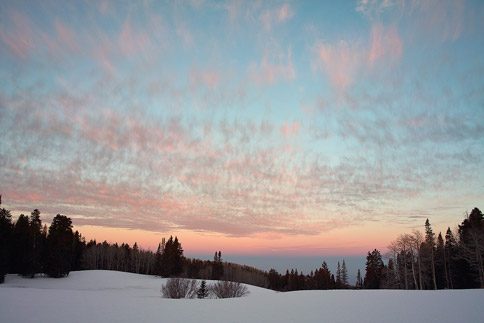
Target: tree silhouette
x=5 y=236
x=59 y=247
x=172 y=258
x=217 y=266
x=374 y=268
x=344 y=275
x=471 y=234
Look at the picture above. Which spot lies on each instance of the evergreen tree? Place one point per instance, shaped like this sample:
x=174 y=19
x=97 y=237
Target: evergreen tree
x=322 y=277
x=359 y=280
x=217 y=266
x=37 y=241
x=450 y=255
x=21 y=253
x=202 y=290
x=430 y=250
x=338 y=276
x=172 y=258
x=440 y=264
x=275 y=280
x=471 y=238
x=158 y=261
x=59 y=247
x=344 y=275
x=374 y=268
x=78 y=249
x=5 y=236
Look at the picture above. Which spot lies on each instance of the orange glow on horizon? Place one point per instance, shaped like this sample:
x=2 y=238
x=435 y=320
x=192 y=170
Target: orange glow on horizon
x=356 y=240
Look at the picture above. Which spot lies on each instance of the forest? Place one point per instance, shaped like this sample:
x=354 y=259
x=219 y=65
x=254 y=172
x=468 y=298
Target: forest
x=415 y=260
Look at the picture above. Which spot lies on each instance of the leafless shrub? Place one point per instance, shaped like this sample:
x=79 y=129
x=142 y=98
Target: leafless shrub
x=227 y=289
x=179 y=288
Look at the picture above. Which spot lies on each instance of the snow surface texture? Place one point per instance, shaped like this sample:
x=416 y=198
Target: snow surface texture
x=109 y=296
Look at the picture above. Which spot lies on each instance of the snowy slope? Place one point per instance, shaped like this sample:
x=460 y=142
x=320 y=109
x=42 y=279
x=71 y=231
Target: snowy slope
x=108 y=296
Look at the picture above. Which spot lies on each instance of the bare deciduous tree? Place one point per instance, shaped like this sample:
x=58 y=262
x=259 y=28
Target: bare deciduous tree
x=179 y=288
x=227 y=289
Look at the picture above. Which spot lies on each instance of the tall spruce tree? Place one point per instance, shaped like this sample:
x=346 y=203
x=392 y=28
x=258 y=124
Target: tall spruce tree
x=37 y=241
x=21 y=253
x=217 y=266
x=344 y=275
x=59 y=247
x=172 y=258
x=450 y=255
x=322 y=277
x=471 y=238
x=338 y=276
x=430 y=251
x=374 y=269
x=359 y=280
x=158 y=261
x=440 y=264
x=6 y=228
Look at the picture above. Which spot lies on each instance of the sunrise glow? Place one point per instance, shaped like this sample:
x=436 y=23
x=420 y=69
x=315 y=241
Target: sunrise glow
x=307 y=128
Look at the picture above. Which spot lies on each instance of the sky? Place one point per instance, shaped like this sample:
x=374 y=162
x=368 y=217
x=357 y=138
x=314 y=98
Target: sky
x=282 y=128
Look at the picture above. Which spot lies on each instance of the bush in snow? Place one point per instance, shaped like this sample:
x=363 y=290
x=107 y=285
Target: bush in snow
x=202 y=290
x=179 y=288
x=227 y=289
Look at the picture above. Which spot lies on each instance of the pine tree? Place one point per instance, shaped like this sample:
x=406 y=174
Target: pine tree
x=450 y=253
x=322 y=277
x=430 y=246
x=338 y=276
x=158 y=261
x=217 y=266
x=59 y=247
x=471 y=238
x=344 y=275
x=359 y=280
x=172 y=258
x=440 y=264
x=21 y=253
x=37 y=240
x=374 y=268
x=202 y=290
x=6 y=228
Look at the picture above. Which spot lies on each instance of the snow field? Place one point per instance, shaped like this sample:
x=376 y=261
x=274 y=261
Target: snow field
x=109 y=296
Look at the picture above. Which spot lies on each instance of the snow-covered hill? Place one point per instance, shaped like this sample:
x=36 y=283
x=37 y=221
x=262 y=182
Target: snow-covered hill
x=108 y=296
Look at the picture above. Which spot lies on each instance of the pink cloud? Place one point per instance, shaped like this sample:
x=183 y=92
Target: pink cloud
x=276 y=15
x=184 y=32
x=290 y=129
x=441 y=17
x=345 y=61
x=234 y=9
x=285 y=12
x=268 y=72
x=18 y=36
x=340 y=62
x=440 y=20
x=385 y=43
x=133 y=41
x=66 y=36
x=207 y=78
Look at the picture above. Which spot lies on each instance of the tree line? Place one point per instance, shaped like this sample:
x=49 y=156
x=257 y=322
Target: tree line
x=416 y=260
x=419 y=260
x=321 y=278
x=29 y=247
